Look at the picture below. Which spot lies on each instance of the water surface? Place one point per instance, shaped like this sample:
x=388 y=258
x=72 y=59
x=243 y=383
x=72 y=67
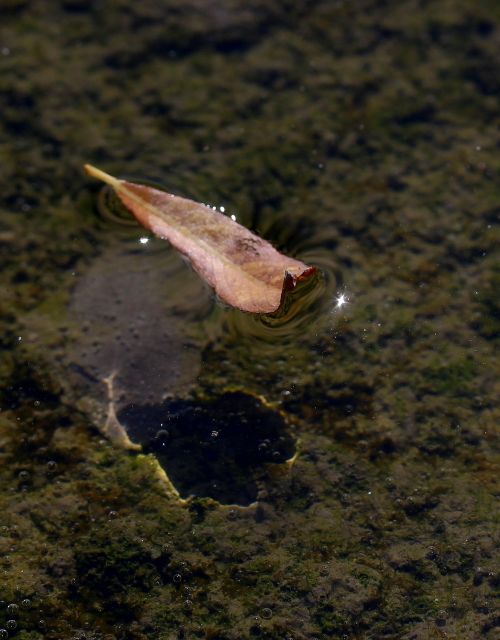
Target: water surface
x=358 y=137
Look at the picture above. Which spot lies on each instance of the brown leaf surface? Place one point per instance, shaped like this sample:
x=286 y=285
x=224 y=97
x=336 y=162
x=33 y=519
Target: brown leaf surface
x=246 y=271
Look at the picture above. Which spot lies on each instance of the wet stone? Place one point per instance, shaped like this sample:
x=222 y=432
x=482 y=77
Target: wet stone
x=215 y=448
x=133 y=317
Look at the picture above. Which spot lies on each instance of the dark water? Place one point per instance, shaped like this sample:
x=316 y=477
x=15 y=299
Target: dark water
x=330 y=473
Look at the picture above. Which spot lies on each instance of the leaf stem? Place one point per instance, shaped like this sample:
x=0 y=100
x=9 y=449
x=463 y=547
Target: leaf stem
x=101 y=175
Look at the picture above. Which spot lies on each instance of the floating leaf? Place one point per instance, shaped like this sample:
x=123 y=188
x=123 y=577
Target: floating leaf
x=245 y=270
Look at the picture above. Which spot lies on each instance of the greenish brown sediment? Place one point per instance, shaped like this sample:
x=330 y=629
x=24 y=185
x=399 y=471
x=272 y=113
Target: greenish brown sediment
x=361 y=133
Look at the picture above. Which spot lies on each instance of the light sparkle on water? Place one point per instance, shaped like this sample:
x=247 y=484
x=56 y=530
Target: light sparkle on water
x=144 y=240
x=341 y=300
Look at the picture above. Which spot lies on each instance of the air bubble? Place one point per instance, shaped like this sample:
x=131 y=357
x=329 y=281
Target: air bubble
x=4 y=634
x=11 y=625
x=12 y=609
x=177 y=578
x=51 y=466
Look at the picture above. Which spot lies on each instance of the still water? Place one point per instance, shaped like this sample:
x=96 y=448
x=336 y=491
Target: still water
x=330 y=473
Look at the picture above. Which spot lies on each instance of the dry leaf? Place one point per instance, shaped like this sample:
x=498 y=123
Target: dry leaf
x=245 y=270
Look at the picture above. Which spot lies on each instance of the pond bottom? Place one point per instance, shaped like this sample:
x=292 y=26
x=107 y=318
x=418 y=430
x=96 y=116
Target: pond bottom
x=215 y=448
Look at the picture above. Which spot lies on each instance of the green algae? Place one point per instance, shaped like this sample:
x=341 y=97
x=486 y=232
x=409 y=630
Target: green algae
x=367 y=132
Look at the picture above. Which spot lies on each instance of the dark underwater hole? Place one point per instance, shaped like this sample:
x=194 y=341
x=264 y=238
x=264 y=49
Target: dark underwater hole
x=216 y=448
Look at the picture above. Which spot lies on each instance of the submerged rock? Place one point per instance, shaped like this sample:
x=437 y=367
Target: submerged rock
x=133 y=319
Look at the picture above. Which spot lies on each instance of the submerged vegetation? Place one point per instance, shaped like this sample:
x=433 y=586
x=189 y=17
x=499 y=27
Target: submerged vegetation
x=360 y=137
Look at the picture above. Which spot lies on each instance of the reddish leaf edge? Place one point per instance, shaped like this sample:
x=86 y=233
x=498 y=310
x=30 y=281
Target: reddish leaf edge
x=290 y=282
x=291 y=286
